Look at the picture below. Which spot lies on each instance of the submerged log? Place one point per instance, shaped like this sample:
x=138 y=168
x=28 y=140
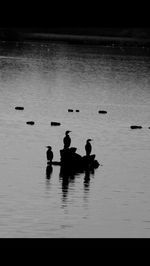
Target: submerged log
x=55 y=124
x=19 y=108
x=102 y=112
x=30 y=123
x=135 y=127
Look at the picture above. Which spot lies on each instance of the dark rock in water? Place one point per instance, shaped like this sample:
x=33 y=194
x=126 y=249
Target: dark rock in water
x=55 y=124
x=77 y=111
x=30 y=123
x=72 y=160
x=89 y=158
x=70 y=110
x=102 y=112
x=73 y=150
x=68 y=155
x=135 y=127
x=89 y=161
x=96 y=164
x=19 y=108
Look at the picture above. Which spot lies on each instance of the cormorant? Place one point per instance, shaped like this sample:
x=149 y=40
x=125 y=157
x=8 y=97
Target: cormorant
x=49 y=154
x=67 y=140
x=88 y=147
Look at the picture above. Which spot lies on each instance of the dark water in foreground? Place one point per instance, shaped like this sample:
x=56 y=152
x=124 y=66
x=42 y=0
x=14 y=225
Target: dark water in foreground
x=48 y=79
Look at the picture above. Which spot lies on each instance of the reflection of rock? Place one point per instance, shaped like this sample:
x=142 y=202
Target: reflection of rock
x=87 y=180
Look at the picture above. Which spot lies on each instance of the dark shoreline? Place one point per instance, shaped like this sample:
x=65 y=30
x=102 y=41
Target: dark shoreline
x=88 y=39
x=101 y=36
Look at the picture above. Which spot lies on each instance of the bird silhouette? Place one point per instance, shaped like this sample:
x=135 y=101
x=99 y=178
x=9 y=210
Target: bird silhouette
x=88 y=147
x=49 y=153
x=67 y=140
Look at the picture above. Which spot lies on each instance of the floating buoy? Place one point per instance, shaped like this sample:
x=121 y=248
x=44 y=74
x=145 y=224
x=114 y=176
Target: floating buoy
x=102 y=112
x=77 y=111
x=55 y=124
x=135 y=127
x=30 y=123
x=70 y=110
x=19 y=108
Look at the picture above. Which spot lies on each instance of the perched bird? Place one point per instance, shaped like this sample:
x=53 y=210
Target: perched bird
x=49 y=153
x=67 y=140
x=88 y=147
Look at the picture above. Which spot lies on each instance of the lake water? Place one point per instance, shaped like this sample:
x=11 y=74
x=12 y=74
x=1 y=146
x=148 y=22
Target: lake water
x=48 y=79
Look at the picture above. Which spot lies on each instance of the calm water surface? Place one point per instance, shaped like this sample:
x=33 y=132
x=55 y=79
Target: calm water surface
x=48 y=79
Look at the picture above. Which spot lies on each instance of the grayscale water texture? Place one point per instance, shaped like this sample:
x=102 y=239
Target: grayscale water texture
x=47 y=79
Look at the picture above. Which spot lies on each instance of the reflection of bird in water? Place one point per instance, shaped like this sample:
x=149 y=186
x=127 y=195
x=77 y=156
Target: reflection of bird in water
x=49 y=170
x=88 y=174
x=88 y=147
x=87 y=180
x=64 y=178
x=67 y=140
x=49 y=154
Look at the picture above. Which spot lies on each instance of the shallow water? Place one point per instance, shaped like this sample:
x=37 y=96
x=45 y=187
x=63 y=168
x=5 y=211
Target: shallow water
x=48 y=79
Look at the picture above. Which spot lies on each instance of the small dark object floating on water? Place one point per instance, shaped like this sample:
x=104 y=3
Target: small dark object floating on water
x=102 y=112
x=135 y=127
x=19 y=108
x=55 y=124
x=71 y=110
x=30 y=123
